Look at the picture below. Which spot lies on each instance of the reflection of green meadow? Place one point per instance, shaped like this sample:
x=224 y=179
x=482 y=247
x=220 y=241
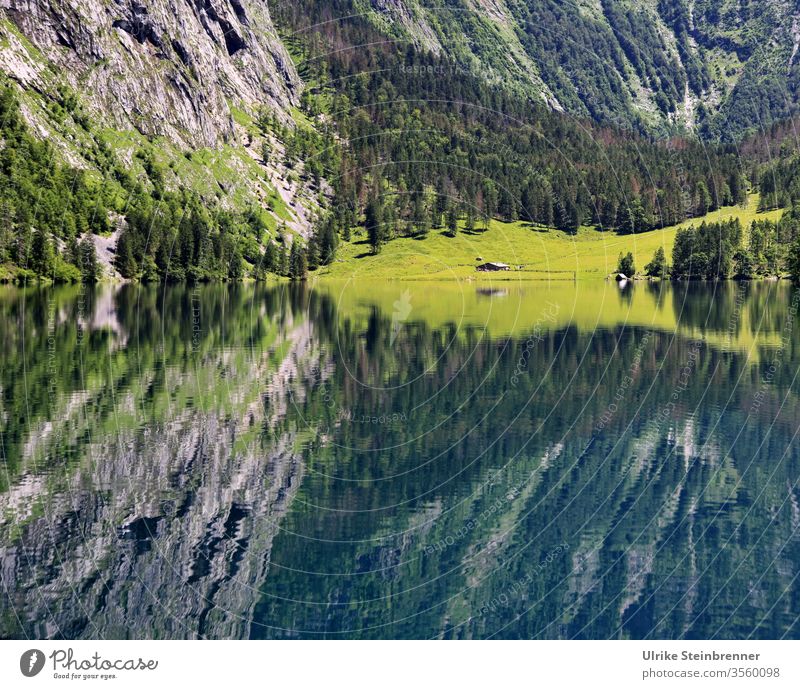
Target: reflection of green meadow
x=545 y=253
x=508 y=308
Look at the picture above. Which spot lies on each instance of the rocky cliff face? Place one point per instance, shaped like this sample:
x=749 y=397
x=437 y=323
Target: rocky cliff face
x=165 y=67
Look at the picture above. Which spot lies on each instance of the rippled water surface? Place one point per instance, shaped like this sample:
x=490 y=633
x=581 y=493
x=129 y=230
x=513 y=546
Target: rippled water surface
x=400 y=460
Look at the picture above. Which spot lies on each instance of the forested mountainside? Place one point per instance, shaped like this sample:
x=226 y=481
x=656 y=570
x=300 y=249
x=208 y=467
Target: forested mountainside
x=218 y=139
x=722 y=66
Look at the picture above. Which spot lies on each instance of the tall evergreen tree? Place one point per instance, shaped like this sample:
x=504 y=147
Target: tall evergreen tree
x=373 y=220
x=452 y=220
x=88 y=264
x=657 y=267
x=42 y=257
x=298 y=265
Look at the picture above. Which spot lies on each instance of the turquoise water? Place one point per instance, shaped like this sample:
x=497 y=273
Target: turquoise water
x=400 y=461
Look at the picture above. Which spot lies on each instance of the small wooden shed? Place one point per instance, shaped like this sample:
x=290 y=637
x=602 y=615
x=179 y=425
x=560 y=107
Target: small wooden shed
x=493 y=267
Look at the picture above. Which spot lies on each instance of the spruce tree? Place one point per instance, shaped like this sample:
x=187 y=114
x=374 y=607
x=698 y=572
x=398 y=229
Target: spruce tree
x=87 y=256
x=658 y=266
x=373 y=220
x=298 y=266
x=42 y=258
x=625 y=265
x=452 y=221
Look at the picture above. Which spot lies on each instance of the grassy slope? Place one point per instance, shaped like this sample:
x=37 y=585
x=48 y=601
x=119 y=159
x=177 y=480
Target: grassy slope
x=544 y=253
x=227 y=173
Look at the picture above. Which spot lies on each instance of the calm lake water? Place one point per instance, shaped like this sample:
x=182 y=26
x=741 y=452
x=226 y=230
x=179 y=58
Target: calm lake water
x=400 y=460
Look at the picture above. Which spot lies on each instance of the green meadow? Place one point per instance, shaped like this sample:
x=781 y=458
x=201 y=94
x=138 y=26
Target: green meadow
x=533 y=252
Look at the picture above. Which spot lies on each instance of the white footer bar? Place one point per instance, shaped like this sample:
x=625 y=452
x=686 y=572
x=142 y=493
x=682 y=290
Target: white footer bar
x=401 y=664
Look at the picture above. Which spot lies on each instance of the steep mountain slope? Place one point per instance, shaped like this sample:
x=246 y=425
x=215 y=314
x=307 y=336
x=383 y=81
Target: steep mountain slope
x=177 y=67
x=145 y=96
x=165 y=67
x=722 y=66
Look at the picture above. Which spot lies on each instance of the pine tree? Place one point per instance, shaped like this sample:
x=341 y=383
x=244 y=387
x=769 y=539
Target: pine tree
x=452 y=220
x=283 y=261
x=469 y=224
x=625 y=265
x=421 y=218
x=42 y=258
x=235 y=262
x=88 y=265
x=743 y=265
x=269 y=259
x=658 y=266
x=324 y=244
x=793 y=261
x=298 y=266
x=373 y=220
x=313 y=251
x=489 y=201
x=124 y=260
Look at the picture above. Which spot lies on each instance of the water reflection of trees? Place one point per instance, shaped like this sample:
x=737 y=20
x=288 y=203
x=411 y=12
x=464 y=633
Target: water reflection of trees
x=671 y=496
x=149 y=462
x=195 y=455
x=729 y=307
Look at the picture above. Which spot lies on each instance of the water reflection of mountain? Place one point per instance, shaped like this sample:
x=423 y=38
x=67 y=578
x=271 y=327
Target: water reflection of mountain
x=621 y=483
x=297 y=468
x=145 y=505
